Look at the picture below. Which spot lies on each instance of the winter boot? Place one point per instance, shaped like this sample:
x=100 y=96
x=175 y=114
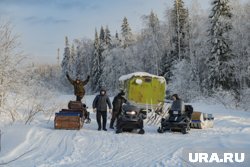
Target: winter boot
x=111 y=124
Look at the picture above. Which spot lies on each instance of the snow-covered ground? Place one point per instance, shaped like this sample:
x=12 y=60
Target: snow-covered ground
x=40 y=145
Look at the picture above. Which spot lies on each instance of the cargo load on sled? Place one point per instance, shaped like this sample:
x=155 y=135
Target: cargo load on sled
x=202 y=120
x=72 y=118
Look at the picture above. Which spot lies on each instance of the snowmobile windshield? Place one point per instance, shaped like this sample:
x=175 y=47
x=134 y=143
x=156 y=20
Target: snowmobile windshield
x=128 y=107
x=177 y=105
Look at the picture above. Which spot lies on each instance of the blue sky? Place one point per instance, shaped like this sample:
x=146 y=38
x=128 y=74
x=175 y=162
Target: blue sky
x=43 y=24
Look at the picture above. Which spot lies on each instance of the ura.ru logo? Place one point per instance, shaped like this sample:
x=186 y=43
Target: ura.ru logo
x=215 y=158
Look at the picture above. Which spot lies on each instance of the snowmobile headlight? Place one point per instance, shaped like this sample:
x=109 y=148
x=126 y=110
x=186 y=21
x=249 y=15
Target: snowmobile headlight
x=175 y=112
x=131 y=112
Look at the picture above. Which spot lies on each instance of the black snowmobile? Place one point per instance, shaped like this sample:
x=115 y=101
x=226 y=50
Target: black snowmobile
x=131 y=118
x=177 y=120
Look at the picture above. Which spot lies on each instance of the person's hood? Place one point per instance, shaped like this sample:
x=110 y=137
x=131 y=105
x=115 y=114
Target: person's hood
x=122 y=93
x=103 y=89
x=78 y=79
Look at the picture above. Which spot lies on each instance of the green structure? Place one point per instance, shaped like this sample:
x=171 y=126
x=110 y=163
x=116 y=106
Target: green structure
x=143 y=88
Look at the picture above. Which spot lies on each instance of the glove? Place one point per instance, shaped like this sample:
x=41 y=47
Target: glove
x=94 y=109
x=88 y=77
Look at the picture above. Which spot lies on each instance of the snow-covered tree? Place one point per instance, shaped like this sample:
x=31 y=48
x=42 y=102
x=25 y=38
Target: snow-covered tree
x=116 y=35
x=198 y=38
x=107 y=37
x=97 y=61
x=127 y=36
x=180 y=35
x=83 y=60
x=219 y=62
x=102 y=35
x=167 y=66
x=11 y=59
x=115 y=41
x=72 y=62
x=102 y=42
x=95 y=70
x=152 y=44
x=66 y=57
x=241 y=48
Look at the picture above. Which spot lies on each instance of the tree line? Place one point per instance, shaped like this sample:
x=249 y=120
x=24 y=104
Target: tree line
x=200 y=53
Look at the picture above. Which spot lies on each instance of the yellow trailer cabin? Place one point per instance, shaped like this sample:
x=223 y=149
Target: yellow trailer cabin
x=143 y=88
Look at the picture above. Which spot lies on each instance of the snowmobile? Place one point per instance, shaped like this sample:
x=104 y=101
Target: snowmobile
x=177 y=121
x=131 y=118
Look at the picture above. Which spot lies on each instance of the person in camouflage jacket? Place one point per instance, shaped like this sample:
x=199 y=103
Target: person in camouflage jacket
x=79 y=90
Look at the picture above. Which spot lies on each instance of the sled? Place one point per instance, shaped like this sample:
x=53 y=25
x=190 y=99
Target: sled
x=72 y=118
x=66 y=120
x=72 y=111
x=202 y=120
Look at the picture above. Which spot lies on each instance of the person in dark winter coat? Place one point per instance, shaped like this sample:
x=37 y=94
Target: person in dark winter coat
x=79 y=90
x=100 y=104
x=178 y=104
x=117 y=107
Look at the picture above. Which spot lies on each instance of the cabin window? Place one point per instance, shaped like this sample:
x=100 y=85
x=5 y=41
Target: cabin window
x=147 y=79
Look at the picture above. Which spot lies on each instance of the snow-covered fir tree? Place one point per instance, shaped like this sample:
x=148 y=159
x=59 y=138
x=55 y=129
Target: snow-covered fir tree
x=102 y=41
x=102 y=35
x=167 y=66
x=198 y=48
x=102 y=48
x=97 y=61
x=176 y=34
x=152 y=44
x=241 y=47
x=107 y=37
x=115 y=42
x=219 y=62
x=95 y=70
x=180 y=35
x=127 y=36
x=66 y=57
x=73 y=70
x=116 y=35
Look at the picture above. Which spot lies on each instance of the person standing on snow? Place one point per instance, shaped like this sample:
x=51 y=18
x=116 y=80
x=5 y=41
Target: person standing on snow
x=100 y=104
x=117 y=107
x=79 y=90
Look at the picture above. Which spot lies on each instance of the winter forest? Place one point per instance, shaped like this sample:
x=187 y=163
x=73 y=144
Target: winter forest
x=203 y=54
x=200 y=53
